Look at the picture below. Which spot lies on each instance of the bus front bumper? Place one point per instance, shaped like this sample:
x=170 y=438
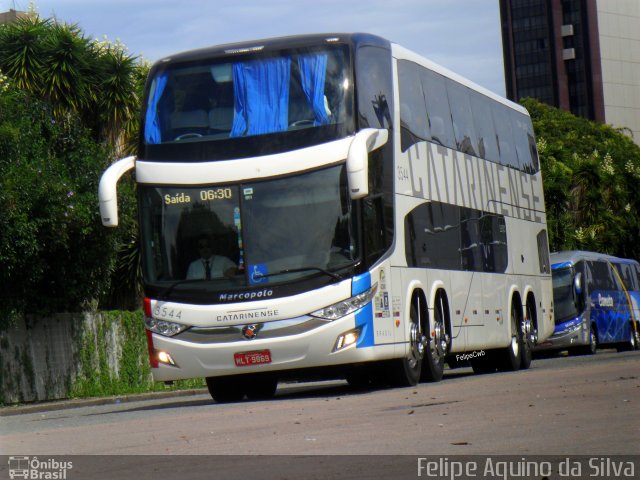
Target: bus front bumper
x=571 y=337
x=313 y=348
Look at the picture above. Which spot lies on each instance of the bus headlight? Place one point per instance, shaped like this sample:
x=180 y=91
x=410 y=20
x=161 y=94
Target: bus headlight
x=162 y=327
x=346 y=339
x=345 y=307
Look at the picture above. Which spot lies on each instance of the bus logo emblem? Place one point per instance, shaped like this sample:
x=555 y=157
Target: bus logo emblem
x=250 y=331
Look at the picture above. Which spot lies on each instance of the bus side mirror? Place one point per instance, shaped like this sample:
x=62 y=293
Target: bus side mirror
x=577 y=284
x=107 y=193
x=365 y=141
x=578 y=289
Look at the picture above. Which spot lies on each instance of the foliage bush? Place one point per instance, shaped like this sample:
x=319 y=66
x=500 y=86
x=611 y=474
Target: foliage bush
x=95 y=80
x=133 y=373
x=68 y=107
x=55 y=254
x=591 y=174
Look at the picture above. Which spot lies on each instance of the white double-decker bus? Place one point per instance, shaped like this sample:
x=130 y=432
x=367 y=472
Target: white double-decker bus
x=333 y=205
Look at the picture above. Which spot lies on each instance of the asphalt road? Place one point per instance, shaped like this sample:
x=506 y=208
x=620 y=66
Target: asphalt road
x=576 y=406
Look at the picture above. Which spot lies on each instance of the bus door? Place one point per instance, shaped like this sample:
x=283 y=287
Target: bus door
x=630 y=276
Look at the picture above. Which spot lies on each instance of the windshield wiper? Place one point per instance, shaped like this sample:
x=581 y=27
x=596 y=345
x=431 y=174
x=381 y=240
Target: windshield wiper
x=298 y=270
x=165 y=295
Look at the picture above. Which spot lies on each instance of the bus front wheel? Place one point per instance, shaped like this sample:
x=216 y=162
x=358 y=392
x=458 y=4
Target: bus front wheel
x=226 y=389
x=261 y=387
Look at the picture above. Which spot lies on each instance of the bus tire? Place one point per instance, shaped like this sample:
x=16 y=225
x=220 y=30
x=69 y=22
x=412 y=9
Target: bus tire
x=631 y=343
x=510 y=357
x=590 y=348
x=406 y=372
x=635 y=334
x=363 y=377
x=437 y=344
x=527 y=334
x=593 y=343
x=484 y=364
x=261 y=387
x=226 y=389
x=358 y=379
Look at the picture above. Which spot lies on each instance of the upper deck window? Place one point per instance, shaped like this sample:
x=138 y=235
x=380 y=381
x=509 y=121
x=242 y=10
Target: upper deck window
x=248 y=95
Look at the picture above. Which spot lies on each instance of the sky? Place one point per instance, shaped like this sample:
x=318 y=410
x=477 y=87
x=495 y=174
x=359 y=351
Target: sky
x=462 y=35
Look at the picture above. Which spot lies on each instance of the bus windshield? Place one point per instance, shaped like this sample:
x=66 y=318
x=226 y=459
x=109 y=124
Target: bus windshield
x=563 y=296
x=233 y=236
x=227 y=102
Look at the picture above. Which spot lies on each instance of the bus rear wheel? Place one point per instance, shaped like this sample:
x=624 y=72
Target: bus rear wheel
x=486 y=363
x=635 y=334
x=510 y=357
x=634 y=340
x=437 y=346
x=527 y=335
x=406 y=372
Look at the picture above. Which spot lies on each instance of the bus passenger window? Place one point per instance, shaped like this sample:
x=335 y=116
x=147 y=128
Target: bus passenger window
x=438 y=111
x=484 y=128
x=466 y=141
x=504 y=134
x=413 y=112
x=543 y=252
x=375 y=91
x=524 y=143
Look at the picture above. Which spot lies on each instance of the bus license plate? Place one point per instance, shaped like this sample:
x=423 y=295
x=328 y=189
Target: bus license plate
x=244 y=359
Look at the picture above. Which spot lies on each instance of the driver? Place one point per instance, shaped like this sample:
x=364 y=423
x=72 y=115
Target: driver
x=209 y=265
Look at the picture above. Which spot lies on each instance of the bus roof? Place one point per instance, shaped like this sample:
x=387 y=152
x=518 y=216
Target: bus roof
x=308 y=40
x=403 y=53
x=276 y=43
x=571 y=257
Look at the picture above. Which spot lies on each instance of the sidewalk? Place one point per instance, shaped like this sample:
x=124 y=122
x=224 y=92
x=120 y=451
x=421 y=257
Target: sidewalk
x=93 y=401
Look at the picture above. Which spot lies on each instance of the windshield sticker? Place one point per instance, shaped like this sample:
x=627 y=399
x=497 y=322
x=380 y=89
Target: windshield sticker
x=238 y=224
x=257 y=273
x=248 y=193
x=177 y=199
x=216 y=194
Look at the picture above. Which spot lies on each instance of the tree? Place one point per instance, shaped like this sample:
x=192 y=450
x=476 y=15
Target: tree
x=591 y=173
x=96 y=80
x=68 y=106
x=54 y=253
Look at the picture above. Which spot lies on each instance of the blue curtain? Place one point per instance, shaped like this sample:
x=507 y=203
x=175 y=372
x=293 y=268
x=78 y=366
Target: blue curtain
x=261 y=92
x=152 y=132
x=313 y=71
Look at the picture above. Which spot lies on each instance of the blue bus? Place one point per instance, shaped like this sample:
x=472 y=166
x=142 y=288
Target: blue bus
x=596 y=302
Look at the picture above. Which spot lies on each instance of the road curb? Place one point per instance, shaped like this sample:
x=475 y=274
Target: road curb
x=94 y=401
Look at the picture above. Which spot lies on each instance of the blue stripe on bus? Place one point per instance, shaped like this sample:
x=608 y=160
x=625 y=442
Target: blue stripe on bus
x=568 y=324
x=360 y=283
x=364 y=316
x=556 y=266
x=364 y=320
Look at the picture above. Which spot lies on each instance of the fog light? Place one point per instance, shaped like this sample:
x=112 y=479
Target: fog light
x=346 y=339
x=164 y=357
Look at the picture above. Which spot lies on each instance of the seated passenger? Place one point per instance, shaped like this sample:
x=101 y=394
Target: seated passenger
x=209 y=265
